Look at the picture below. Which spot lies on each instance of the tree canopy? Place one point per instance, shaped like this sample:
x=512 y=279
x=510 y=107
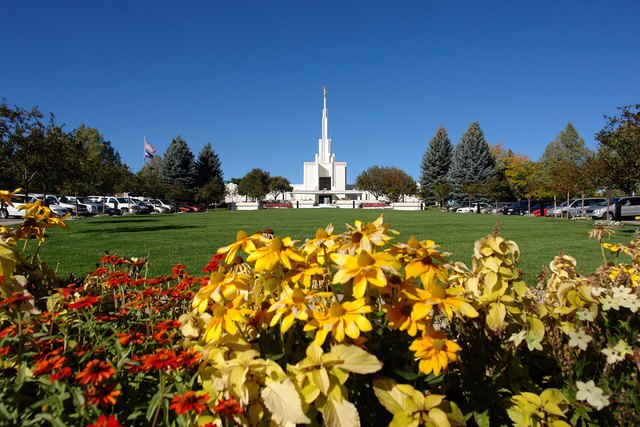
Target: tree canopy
x=255 y=184
x=179 y=169
x=279 y=185
x=386 y=181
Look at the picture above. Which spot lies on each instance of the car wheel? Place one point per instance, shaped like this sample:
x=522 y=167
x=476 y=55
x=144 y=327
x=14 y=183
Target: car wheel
x=124 y=211
x=4 y=214
x=608 y=215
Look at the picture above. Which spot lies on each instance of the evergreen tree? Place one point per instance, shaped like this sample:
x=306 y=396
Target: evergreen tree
x=179 y=169
x=472 y=162
x=208 y=166
x=435 y=163
x=567 y=147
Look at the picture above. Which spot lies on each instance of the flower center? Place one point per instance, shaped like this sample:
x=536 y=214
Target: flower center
x=438 y=345
x=276 y=244
x=406 y=310
x=336 y=310
x=365 y=259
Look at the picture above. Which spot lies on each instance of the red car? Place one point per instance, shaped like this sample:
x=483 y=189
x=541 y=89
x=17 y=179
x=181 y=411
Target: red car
x=544 y=209
x=186 y=207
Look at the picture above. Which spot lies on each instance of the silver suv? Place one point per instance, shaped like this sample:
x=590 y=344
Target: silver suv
x=577 y=207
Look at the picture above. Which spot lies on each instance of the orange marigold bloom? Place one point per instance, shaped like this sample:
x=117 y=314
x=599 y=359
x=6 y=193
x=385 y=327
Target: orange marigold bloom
x=104 y=421
x=190 y=358
x=95 y=372
x=102 y=395
x=228 y=407
x=65 y=372
x=189 y=401
x=16 y=298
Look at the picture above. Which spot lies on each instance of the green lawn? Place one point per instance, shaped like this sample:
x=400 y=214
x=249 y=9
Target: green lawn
x=191 y=239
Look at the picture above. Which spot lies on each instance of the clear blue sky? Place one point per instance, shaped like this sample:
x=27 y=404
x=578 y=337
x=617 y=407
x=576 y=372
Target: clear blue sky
x=247 y=75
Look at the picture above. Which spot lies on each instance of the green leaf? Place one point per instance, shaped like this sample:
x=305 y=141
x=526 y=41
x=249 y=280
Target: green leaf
x=283 y=401
x=482 y=419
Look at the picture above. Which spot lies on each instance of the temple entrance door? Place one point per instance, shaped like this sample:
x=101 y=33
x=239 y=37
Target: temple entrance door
x=324 y=200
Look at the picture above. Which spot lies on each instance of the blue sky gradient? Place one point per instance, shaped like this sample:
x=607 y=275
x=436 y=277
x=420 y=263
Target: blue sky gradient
x=247 y=75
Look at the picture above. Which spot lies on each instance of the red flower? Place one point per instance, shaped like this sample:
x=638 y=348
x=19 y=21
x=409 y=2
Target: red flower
x=63 y=373
x=83 y=302
x=49 y=364
x=103 y=421
x=130 y=338
x=189 y=401
x=167 y=324
x=228 y=407
x=102 y=395
x=16 y=298
x=95 y=372
x=190 y=358
x=5 y=350
x=161 y=359
x=179 y=270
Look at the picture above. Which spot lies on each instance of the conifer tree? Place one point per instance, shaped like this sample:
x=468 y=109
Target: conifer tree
x=179 y=169
x=435 y=163
x=472 y=163
x=208 y=166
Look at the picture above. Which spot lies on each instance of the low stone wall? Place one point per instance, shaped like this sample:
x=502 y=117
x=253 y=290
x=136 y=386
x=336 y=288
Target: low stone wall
x=406 y=206
x=247 y=206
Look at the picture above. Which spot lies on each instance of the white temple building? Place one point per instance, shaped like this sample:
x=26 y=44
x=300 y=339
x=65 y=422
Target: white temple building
x=324 y=179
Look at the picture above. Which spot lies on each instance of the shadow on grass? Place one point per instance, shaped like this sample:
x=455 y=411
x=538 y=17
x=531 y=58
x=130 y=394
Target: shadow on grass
x=134 y=229
x=113 y=220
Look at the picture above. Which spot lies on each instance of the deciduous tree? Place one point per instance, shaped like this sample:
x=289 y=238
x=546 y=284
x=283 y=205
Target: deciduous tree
x=255 y=184
x=386 y=181
x=279 y=185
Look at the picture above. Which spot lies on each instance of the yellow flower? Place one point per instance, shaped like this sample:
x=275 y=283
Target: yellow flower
x=220 y=287
x=399 y=317
x=311 y=275
x=323 y=244
x=423 y=260
x=6 y=197
x=434 y=351
x=278 y=250
x=340 y=319
x=243 y=241
x=448 y=300
x=295 y=304
x=224 y=318
x=612 y=248
x=364 y=268
x=366 y=236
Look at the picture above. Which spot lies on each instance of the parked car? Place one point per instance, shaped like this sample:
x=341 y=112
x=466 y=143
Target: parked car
x=143 y=207
x=75 y=208
x=188 y=207
x=627 y=206
x=541 y=210
x=161 y=206
x=21 y=199
x=473 y=207
x=495 y=208
x=521 y=207
x=577 y=207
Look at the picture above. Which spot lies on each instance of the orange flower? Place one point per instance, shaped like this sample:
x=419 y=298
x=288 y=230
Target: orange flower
x=102 y=395
x=189 y=401
x=103 y=421
x=16 y=298
x=161 y=359
x=228 y=407
x=83 y=302
x=65 y=372
x=49 y=364
x=95 y=372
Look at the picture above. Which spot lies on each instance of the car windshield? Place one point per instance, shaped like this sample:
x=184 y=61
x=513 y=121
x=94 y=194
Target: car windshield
x=123 y=200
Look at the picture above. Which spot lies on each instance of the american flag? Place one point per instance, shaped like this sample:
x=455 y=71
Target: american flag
x=148 y=149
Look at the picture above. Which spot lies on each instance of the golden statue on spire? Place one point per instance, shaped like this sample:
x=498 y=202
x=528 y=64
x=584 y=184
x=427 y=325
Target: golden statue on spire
x=324 y=89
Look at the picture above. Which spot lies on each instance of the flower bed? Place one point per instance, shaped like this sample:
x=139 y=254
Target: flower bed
x=348 y=328
x=374 y=205
x=287 y=205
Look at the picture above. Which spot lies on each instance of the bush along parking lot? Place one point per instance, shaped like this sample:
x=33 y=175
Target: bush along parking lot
x=345 y=328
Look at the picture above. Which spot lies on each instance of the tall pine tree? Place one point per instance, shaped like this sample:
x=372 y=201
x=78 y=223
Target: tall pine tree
x=472 y=163
x=179 y=169
x=208 y=166
x=435 y=163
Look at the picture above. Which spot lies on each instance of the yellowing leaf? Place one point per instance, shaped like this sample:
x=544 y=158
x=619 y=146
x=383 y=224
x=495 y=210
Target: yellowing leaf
x=340 y=414
x=283 y=401
x=536 y=327
x=354 y=359
x=495 y=317
x=390 y=396
x=439 y=418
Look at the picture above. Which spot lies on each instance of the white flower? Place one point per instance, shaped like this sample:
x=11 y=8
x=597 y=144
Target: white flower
x=579 y=339
x=517 y=338
x=608 y=303
x=585 y=315
x=597 y=291
x=592 y=394
x=617 y=353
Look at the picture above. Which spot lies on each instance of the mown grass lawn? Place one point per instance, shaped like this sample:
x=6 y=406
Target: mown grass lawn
x=191 y=239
